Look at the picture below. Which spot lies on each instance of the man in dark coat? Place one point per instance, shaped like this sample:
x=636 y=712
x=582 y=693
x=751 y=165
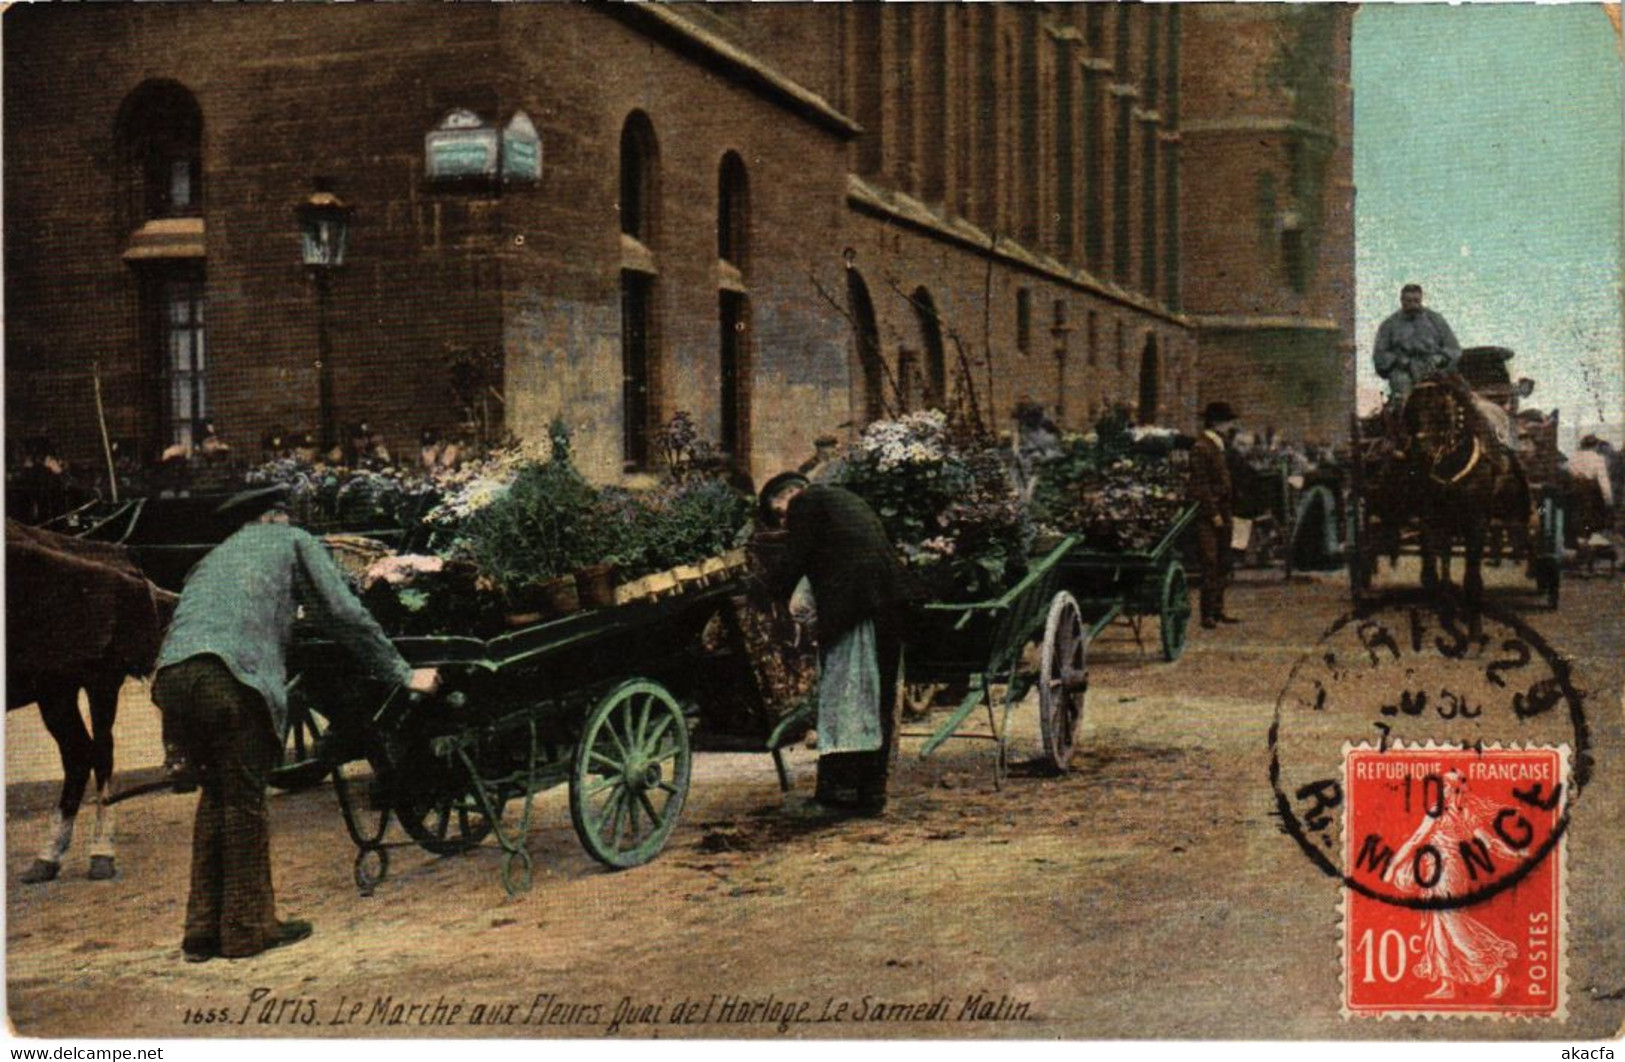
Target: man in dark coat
x=221 y=685
x=860 y=589
x=1211 y=491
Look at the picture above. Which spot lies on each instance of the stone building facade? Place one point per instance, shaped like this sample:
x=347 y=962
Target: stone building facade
x=784 y=219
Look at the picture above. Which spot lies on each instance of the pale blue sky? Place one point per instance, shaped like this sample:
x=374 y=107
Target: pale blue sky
x=1487 y=163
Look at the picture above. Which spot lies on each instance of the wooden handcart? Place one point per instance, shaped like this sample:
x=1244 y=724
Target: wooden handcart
x=595 y=701
x=1134 y=584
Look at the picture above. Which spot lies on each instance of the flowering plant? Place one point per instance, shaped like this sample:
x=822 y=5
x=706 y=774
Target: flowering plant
x=952 y=513
x=1110 y=488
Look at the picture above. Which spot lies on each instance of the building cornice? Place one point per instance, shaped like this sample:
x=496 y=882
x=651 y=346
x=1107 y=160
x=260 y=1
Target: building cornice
x=1262 y=323
x=666 y=24
x=905 y=210
x=1253 y=126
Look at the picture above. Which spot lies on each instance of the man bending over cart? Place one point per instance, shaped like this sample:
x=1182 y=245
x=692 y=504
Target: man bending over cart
x=839 y=545
x=221 y=686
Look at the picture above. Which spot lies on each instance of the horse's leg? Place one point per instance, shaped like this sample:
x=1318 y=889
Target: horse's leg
x=59 y=708
x=1472 y=580
x=1429 y=541
x=103 y=691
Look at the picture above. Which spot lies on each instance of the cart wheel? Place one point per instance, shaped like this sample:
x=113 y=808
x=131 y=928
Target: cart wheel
x=1360 y=549
x=1063 y=679
x=302 y=766
x=371 y=866
x=1549 y=565
x=443 y=820
x=631 y=774
x=1176 y=611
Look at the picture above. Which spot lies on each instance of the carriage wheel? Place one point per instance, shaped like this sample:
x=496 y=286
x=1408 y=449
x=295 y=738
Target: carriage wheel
x=1549 y=564
x=444 y=820
x=302 y=766
x=1176 y=611
x=1063 y=679
x=631 y=774
x=1361 y=551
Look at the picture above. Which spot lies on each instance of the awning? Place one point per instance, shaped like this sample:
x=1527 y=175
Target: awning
x=166 y=238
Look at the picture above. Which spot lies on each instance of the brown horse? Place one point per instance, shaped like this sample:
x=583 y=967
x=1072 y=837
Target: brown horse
x=1454 y=478
x=79 y=616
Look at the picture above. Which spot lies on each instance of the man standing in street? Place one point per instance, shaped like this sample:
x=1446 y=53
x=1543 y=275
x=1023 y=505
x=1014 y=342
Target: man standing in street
x=1413 y=344
x=837 y=542
x=221 y=686
x=1210 y=491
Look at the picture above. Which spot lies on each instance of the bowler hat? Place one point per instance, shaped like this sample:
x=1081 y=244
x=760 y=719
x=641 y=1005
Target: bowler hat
x=248 y=505
x=1218 y=413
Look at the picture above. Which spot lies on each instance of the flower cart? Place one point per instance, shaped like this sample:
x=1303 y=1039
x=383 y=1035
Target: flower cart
x=596 y=700
x=1133 y=584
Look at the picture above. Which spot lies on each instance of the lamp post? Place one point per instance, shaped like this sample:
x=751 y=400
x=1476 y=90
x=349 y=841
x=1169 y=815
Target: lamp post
x=324 y=230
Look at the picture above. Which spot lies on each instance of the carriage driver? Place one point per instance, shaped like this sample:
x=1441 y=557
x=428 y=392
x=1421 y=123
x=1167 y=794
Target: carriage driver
x=1413 y=344
x=221 y=686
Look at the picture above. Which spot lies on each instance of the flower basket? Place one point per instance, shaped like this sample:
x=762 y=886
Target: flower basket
x=595 y=586
x=633 y=590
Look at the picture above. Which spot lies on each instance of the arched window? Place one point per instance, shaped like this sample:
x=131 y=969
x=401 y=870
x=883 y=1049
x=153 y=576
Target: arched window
x=159 y=134
x=936 y=362
x=640 y=326
x=640 y=172
x=733 y=247
x=871 y=369
x=1150 y=379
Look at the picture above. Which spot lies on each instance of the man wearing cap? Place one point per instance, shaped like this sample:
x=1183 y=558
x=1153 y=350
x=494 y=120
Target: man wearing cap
x=1210 y=490
x=1413 y=344
x=839 y=545
x=221 y=686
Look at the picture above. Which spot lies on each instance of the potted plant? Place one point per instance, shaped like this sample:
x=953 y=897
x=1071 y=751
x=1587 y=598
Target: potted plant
x=532 y=537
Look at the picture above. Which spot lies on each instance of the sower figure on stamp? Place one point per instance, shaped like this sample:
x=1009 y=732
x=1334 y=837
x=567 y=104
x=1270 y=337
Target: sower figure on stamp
x=1457 y=949
x=1210 y=490
x=838 y=543
x=221 y=686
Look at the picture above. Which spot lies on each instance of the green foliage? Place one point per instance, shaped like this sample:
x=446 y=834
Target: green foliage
x=539 y=528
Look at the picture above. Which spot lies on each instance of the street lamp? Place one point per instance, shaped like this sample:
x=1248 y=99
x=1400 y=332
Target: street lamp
x=324 y=230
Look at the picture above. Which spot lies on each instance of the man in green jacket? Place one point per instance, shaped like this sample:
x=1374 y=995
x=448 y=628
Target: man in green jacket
x=221 y=685
x=837 y=542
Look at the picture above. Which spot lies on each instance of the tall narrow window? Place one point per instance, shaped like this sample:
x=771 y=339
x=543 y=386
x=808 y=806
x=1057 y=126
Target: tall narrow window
x=936 y=361
x=1148 y=208
x=638 y=178
x=1094 y=339
x=640 y=329
x=637 y=312
x=172 y=298
x=735 y=409
x=1065 y=166
x=871 y=370
x=1150 y=379
x=733 y=247
x=1024 y=320
x=159 y=133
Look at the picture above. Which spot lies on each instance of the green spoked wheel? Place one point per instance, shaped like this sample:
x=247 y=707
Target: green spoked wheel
x=1176 y=611
x=631 y=774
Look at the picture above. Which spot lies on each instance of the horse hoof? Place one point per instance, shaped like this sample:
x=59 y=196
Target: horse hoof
x=101 y=868
x=43 y=870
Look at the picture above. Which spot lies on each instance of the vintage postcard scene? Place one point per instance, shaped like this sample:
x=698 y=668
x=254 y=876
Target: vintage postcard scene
x=740 y=522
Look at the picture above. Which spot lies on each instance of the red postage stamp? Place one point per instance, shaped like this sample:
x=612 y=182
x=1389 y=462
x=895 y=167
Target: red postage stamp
x=1454 y=899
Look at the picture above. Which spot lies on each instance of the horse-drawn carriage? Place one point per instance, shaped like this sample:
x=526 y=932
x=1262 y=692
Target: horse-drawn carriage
x=1435 y=473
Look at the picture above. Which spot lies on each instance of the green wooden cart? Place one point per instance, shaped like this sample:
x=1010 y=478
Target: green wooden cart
x=981 y=647
x=1134 y=584
x=594 y=700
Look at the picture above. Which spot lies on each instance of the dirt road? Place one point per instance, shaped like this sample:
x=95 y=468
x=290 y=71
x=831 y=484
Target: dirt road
x=1149 y=892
